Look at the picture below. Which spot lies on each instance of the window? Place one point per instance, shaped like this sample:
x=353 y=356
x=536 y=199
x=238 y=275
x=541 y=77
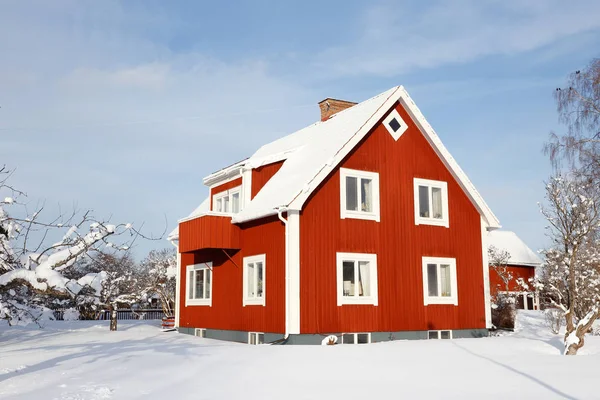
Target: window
x=356 y=338
x=256 y=338
x=439 y=335
x=439 y=280
x=199 y=285
x=200 y=332
x=395 y=124
x=431 y=202
x=359 y=194
x=228 y=201
x=356 y=278
x=254 y=280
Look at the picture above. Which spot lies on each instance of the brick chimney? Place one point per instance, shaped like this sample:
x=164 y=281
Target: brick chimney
x=331 y=106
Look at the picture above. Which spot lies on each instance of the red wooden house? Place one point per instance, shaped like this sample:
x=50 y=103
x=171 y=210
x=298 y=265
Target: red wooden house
x=514 y=277
x=361 y=225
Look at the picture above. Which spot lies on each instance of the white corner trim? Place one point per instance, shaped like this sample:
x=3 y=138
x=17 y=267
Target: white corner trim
x=254 y=301
x=246 y=186
x=403 y=125
x=373 y=299
x=445 y=220
x=486 y=274
x=198 y=302
x=453 y=299
x=374 y=177
x=293 y=232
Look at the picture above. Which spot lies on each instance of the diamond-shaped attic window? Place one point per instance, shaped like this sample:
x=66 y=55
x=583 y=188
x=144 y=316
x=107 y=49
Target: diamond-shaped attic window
x=395 y=125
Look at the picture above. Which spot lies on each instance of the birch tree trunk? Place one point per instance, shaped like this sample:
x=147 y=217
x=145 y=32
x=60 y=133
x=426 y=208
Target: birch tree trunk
x=575 y=340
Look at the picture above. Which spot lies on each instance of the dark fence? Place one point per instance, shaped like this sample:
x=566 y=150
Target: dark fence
x=124 y=314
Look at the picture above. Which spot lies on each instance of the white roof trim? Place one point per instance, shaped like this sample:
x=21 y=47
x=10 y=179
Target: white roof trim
x=448 y=160
x=400 y=94
x=359 y=119
x=233 y=171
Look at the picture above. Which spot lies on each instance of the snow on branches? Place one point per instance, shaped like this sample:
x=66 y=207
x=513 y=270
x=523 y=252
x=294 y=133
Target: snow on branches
x=30 y=268
x=159 y=270
x=570 y=278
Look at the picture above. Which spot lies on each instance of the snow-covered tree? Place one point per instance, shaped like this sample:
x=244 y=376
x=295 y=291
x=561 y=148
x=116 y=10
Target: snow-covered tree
x=570 y=278
x=158 y=272
x=119 y=283
x=31 y=268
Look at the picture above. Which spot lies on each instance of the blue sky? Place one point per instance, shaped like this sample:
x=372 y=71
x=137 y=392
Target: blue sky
x=123 y=107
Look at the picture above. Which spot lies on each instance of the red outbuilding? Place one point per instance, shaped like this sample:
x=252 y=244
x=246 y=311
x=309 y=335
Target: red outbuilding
x=514 y=275
x=361 y=225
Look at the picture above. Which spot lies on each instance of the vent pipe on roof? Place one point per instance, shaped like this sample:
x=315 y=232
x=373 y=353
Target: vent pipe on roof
x=331 y=106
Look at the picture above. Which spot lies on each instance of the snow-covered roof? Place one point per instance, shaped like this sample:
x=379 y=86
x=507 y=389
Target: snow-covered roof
x=312 y=153
x=520 y=253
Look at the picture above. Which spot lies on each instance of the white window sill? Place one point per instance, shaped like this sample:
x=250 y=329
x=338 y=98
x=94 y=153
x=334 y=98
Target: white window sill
x=254 y=302
x=442 y=300
x=432 y=221
x=198 y=302
x=360 y=215
x=346 y=301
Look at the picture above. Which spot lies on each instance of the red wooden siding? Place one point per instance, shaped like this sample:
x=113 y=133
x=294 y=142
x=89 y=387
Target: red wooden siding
x=261 y=175
x=208 y=231
x=524 y=272
x=224 y=187
x=261 y=237
x=397 y=241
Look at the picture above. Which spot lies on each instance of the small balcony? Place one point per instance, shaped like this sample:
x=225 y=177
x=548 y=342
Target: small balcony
x=208 y=231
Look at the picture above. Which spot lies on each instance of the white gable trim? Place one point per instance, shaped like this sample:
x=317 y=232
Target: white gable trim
x=486 y=275
x=448 y=160
x=400 y=95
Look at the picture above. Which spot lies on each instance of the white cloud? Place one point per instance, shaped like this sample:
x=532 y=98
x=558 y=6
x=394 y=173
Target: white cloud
x=99 y=114
x=150 y=76
x=396 y=39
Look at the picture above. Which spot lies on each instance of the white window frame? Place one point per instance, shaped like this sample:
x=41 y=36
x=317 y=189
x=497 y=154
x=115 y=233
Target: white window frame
x=257 y=336
x=452 y=300
x=439 y=334
x=356 y=257
x=403 y=125
x=445 y=221
x=198 y=302
x=200 y=332
x=355 y=334
x=353 y=173
x=254 y=301
x=229 y=195
x=525 y=294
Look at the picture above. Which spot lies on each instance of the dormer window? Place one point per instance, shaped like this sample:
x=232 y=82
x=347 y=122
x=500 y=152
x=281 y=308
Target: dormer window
x=228 y=201
x=395 y=124
x=359 y=194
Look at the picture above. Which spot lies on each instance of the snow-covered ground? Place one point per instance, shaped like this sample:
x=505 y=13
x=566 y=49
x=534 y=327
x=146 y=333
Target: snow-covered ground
x=83 y=360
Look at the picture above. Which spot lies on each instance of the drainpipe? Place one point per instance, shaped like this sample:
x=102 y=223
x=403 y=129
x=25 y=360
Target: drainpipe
x=280 y=211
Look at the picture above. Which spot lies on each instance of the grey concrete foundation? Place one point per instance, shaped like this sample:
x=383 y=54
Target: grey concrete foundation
x=314 y=339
